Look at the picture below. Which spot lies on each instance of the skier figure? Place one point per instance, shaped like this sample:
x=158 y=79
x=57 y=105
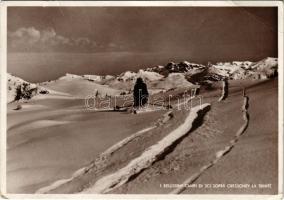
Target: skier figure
x=140 y=93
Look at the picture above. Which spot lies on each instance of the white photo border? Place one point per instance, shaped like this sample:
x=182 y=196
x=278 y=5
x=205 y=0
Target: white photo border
x=3 y=91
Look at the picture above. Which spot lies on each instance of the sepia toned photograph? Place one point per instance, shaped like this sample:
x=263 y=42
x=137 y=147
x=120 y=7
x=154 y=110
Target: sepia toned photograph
x=132 y=99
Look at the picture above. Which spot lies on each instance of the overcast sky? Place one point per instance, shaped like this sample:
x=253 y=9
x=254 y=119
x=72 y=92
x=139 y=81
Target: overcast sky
x=224 y=32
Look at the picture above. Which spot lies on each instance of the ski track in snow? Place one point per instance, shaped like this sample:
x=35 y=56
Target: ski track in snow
x=224 y=91
x=220 y=153
x=166 y=117
x=148 y=157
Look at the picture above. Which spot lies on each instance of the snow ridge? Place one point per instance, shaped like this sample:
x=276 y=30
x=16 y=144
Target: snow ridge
x=150 y=155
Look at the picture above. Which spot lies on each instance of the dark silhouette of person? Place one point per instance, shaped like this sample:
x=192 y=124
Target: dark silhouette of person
x=140 y=93
x=226 y=88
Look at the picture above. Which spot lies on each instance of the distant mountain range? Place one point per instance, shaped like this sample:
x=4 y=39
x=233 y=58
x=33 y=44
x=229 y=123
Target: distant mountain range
x=173 y=75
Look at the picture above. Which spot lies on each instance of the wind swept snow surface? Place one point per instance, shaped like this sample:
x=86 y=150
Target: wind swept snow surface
x=111 y=181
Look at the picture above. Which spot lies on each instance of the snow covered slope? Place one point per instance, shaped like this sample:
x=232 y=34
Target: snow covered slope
x=174 y=80
x=80 y=87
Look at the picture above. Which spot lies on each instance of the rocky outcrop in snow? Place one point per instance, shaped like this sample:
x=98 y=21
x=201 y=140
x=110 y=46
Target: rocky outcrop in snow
x=172 y=67
x=20 y=89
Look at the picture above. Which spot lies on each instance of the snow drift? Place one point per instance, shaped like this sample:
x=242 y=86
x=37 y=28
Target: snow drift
x=150 y=155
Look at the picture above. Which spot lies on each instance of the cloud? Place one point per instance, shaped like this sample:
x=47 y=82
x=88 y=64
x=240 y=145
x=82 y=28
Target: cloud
x=32 y=40
x=24 y=36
